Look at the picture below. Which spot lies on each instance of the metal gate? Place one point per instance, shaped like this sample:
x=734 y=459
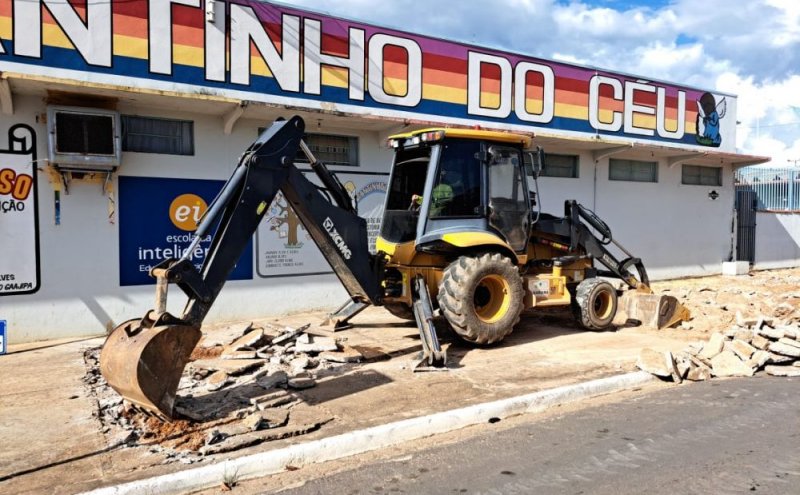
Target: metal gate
x=746 y=203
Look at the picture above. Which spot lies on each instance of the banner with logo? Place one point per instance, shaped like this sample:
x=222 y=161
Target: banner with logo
x=19 y=228
x=268 y=52
x=283 y=246
x=157 y=220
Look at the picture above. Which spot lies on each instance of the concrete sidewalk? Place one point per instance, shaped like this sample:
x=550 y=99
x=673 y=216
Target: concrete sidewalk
x=53 y=442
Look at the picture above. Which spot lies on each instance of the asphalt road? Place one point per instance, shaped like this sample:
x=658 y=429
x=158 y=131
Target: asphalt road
x=722 y=436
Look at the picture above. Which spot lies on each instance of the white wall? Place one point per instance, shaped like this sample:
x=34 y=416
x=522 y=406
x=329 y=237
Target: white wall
x=777 y=240
x=676 y=229
x=80 y=293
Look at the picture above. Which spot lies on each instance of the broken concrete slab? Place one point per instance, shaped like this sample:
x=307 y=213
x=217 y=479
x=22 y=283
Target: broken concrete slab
x=346 y=355
x=790 y=342
x=760 y=342
x=290 y=334
x=270 y=418
x=714 y=346
x=745 y=321
x=274 y=379
x=300 y=423
x=241 y=354
x=784 y=349
x=302 y=382
x=758 y=359
x=742 y=349
x=771 y=333
x=315 y=344
x=218 y=380
x=743 y=334
x=683 y=368
x=779 y=359
x=251 y=340
x=698 y=374
x=230 y=366
x=299 y=364
x=783 y=371
x=700 y=362
x=727 y=363
x=274 y=400
x=656 y=363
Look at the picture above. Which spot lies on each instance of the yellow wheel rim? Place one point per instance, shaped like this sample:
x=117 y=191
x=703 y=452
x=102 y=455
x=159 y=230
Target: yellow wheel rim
x=603 y=305
x=492 y=298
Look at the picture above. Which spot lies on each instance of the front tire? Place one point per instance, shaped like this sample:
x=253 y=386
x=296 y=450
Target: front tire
x=595 y=304
x=481 y=297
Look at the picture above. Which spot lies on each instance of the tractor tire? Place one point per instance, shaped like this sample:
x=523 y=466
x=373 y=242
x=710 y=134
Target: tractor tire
x=400 y=310
x=595 y=304
x=481 y=297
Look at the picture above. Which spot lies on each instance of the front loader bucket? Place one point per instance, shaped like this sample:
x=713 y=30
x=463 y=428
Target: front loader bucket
x=652 y=310
x=144 y=365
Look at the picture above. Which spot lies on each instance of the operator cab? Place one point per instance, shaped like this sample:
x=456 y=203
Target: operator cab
x=447 y=181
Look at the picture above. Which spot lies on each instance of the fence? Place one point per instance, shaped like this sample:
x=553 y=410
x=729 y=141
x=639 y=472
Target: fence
x=776 y=189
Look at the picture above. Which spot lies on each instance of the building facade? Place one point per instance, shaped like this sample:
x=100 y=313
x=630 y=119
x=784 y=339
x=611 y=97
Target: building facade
x=121 y=120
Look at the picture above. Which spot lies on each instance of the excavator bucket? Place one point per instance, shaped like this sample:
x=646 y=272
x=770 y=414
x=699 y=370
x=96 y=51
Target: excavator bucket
x=652 y=310
x=144 y=365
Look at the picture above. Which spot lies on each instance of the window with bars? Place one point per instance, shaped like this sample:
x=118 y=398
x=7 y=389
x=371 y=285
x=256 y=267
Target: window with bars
x=332 y=150
x=632 y=170
x=565 y=166
x=698 y=175
x=157 y=135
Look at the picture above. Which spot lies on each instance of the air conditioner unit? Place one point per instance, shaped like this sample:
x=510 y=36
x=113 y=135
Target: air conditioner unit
x=83 y=139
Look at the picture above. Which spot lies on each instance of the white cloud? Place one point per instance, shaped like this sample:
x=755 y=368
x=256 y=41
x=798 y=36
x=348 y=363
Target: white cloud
x=751 y=49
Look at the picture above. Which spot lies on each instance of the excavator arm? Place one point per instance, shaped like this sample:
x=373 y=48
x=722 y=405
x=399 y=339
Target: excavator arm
x=582 y=231
x=143 y=359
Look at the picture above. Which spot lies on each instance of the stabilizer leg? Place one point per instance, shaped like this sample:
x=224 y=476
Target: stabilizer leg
x=432 y=357
x=340 y=319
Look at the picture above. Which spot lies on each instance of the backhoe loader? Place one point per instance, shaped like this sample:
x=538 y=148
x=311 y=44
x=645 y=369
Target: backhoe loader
x=461 y=233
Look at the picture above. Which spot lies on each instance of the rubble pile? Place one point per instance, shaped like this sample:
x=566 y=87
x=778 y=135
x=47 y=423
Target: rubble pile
x=762 y=343
x=241 y=387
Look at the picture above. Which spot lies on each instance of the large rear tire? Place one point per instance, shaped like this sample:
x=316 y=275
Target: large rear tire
x=400 y=310
x=595 y=304
x=481 y=297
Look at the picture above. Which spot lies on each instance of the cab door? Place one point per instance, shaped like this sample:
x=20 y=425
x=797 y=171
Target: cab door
x=509 y=208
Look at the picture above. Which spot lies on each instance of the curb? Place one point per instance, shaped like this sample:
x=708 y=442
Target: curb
x=374 y=438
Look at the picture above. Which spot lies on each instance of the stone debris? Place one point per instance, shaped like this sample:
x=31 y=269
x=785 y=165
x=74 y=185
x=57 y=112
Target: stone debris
x=241 y=388
x=230 y=366
x=656 y=363
x=727 y=363
x=783 y=370
x=250 y=341
x=314 y=344
x=269 y=418
x=784 y=349
x=346 y=355
x=742 y=349
x=756 y=343
x=241 y=354
x=302 y=382
x=218 y=380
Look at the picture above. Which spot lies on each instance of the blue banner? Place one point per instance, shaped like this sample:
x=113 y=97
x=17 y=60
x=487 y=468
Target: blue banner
x=157 y=219
x=3 y=337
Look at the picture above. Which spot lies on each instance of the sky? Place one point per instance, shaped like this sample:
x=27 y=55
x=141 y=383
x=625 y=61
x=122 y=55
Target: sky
x=750 y=48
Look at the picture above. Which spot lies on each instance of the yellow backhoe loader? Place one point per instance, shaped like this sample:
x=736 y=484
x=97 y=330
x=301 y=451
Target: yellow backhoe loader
x=461 y=233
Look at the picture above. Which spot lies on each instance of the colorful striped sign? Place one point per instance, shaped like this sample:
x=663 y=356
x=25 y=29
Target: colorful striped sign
x=271 y=53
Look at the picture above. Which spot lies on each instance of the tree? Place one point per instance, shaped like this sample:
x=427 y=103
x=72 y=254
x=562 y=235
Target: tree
x=282 y=214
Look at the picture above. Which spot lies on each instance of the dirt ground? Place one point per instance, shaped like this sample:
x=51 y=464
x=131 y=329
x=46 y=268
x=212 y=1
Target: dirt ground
x=57 y=440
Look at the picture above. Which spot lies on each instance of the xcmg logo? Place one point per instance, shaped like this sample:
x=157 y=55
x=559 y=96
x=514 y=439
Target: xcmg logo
x=337 y=238
x=186 y=210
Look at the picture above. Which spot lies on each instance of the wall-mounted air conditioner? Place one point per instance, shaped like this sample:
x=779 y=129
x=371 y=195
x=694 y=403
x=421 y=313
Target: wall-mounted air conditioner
x=83 y=138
